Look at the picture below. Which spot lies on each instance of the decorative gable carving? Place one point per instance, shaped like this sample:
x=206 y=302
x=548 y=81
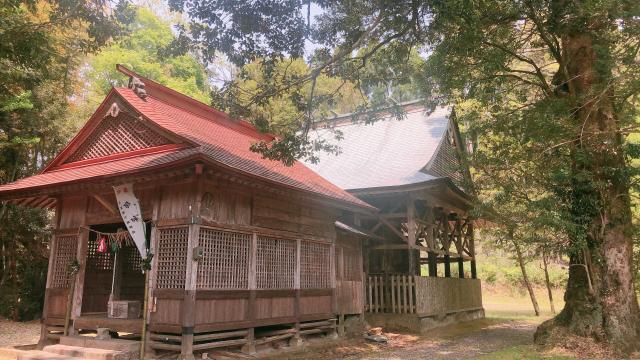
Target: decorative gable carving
x=119 y=134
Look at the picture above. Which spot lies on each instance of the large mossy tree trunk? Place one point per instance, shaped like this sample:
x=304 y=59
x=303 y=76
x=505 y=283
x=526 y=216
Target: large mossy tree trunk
x=600 y=299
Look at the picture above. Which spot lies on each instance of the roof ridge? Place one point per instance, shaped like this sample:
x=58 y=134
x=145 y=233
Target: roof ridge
x=341 y=120
x=241 y=125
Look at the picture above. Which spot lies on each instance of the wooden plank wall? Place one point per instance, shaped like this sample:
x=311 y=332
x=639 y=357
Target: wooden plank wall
x=349 y=275
x=446 y=295
x=225 y=205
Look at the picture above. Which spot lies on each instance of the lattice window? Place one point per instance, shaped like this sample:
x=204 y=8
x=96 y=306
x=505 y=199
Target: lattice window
x=276 y=263
x=315 y=270
x=225 y=261
x=117 y=135
x=98 y=261
x=172 y=257
x=65 y=252
x=131 y=259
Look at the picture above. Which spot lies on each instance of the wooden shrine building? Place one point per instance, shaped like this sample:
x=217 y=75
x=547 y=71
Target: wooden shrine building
x=243 y=247
x=416 y=247
x=246 y=250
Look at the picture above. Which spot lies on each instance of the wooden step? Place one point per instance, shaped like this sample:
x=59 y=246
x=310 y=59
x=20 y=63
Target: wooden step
x=43 y=355
x=86 y=353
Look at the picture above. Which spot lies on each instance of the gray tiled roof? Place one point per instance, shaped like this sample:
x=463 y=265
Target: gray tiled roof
x=389 y=152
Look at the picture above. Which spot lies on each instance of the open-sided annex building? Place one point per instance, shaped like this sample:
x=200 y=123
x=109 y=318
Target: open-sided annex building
x=247 y=250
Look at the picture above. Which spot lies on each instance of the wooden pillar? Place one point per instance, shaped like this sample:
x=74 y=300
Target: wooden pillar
x=52 y=254
x=472 y=249
x=81 y=256
x=447 y=265
x=191 y=276
x=153 y=274
x=364 y=253
x=433 y=264
x=461 y=267
x=297 y=339
x=189 y=300
x=334 y=295
x=250 y=346
x=411 y=235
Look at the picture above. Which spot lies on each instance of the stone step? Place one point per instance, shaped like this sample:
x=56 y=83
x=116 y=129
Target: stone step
x=86 y=352
x=108 y=344
x=43 y=355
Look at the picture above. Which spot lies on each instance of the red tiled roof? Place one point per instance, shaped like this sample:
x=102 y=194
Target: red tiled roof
x=216 y=137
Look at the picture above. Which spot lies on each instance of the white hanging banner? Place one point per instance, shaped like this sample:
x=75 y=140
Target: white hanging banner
x=130 y=210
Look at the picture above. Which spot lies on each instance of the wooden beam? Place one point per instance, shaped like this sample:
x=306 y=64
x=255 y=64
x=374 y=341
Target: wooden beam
x=393 y=229
x=404 y=247
x=105 y=203
x=394 y=215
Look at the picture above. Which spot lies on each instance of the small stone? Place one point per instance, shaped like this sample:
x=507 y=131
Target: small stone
x=376 y=338
x=103 y=334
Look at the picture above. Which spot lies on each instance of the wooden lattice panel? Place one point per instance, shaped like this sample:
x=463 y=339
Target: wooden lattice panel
x=315 y=270
x=276 y=263
x=131 y=258
x=65 y=252
x=117 y=135
x=172 y=257
x=225 y=261
x=98 y=261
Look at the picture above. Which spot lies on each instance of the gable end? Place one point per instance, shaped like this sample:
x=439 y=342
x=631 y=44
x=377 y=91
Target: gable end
x=446 y=162
x=114 y=135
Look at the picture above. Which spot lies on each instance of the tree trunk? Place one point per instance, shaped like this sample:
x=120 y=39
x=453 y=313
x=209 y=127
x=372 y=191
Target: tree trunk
x=525 y=278
x=600 y=299
x=547 y=282
x=14 y=285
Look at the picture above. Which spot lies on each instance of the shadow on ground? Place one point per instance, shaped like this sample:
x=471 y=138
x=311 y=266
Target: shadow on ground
x=460 y=341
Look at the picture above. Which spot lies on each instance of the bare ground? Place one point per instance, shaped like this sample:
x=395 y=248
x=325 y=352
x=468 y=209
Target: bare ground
x=461 y=341
x=19 y=333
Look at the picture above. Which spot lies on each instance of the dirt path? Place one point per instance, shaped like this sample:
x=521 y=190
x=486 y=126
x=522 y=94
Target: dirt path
x=463 y=341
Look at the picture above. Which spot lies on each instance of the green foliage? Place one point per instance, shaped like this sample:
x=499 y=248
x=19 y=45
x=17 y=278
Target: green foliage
x=496 y=267
x=142 y=51
x=280 y=114
x=41 y=48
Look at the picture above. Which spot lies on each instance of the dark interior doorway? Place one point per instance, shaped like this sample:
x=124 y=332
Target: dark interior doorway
x=100 y=269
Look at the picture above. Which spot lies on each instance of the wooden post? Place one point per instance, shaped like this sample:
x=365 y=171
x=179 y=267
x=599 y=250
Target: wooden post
x=250 y=346
x=461 y=267
x=296 y=340
x=189 y=300
x=42 y=342
x=334 y=296
x=153 y=248
x=472 y=249
x=447 y=265
x=411 y=235
x=191 y=276
x=81 y=256
x=433 y=264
